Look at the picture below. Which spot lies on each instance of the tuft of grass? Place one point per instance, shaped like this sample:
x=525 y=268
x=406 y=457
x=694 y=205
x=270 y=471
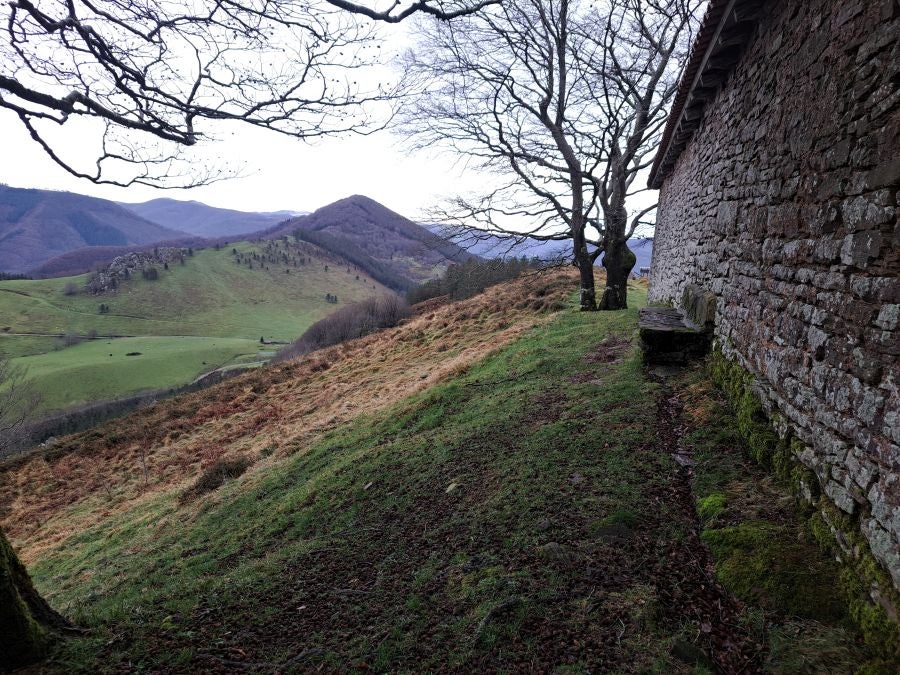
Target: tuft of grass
x=712 y=506
x=215 y=476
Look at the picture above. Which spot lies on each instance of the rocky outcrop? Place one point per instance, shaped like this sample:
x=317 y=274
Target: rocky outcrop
x=124 y=267
x=785 y=205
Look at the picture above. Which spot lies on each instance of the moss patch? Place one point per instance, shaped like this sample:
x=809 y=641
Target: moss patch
x=764 y=563
x=763 y=548
x=865 y=585
x=711 y=506
x=750 y=417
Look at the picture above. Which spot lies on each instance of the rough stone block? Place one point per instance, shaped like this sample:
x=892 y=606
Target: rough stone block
x=886 y=174
x=840 y=496
x=888 y=317
x=857 y=249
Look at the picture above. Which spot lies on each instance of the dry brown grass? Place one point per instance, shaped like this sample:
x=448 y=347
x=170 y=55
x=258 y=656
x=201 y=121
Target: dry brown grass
x=279 y=410
x=699 y=405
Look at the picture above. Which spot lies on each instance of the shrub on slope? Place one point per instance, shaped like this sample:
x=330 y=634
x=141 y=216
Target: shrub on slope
x=348 y=323
x=470 y=278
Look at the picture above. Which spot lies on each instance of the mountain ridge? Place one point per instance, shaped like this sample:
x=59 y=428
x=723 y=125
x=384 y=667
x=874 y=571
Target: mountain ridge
x=38 y=225
x=200 y=219
x=496 y=245
x=395 y=250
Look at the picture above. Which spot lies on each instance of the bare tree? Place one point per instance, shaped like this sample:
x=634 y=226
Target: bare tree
x=565 y=101
x=151 y=76
x=632 y=54
x=18 y=400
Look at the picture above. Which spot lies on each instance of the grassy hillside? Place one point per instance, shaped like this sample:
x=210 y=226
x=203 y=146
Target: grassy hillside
x=490 y=487
x=209 y=298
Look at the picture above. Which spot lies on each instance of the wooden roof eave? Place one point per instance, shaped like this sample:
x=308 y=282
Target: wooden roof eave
x=726 y=28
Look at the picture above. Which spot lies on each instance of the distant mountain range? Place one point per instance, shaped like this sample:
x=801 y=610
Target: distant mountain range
x=499 y=246
x=203 y=220
x=37 y=225
x=48 y=233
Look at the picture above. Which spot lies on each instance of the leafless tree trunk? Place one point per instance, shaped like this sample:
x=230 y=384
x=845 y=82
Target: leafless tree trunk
x=565 y=101
x=639 y=46
x=27 y=624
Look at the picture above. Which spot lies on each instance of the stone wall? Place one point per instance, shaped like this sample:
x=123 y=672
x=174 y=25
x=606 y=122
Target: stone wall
x=785 y=205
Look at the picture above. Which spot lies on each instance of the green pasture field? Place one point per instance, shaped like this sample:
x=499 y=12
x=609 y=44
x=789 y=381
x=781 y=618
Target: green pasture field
x=97 y=370
x=209 y=295
x=208 y=313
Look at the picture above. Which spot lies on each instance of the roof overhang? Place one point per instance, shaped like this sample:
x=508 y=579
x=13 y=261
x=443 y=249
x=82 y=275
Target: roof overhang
x=726 y=28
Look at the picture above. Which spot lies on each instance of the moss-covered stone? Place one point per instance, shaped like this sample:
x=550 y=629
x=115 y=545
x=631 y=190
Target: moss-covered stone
x=866 y=587
x=763 y=563
x=752 y=421
x=26 y=621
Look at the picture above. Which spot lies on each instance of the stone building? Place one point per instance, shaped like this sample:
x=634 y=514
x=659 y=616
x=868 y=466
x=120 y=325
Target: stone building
x=779 y=173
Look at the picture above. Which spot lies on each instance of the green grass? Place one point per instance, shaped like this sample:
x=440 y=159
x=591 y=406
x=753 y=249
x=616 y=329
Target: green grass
x=208 y=298
x=438 y=507
x=25 y=345
x=518 y=517
x=97 y=370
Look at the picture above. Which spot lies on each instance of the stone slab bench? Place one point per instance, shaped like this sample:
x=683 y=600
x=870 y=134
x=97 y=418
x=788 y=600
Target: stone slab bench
x=672 y=336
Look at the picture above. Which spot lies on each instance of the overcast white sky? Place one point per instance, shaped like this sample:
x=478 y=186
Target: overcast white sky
x=280 y=173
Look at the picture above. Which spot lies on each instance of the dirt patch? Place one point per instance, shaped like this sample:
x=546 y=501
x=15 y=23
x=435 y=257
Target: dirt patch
x=689 y=588
x=547 y=408
x=610 y=350
x=215 y=476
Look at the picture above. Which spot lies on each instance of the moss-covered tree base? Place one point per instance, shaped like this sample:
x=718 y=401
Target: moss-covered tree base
x=27 y=623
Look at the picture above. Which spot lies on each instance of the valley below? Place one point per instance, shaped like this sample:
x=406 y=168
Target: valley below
x=215 y=310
